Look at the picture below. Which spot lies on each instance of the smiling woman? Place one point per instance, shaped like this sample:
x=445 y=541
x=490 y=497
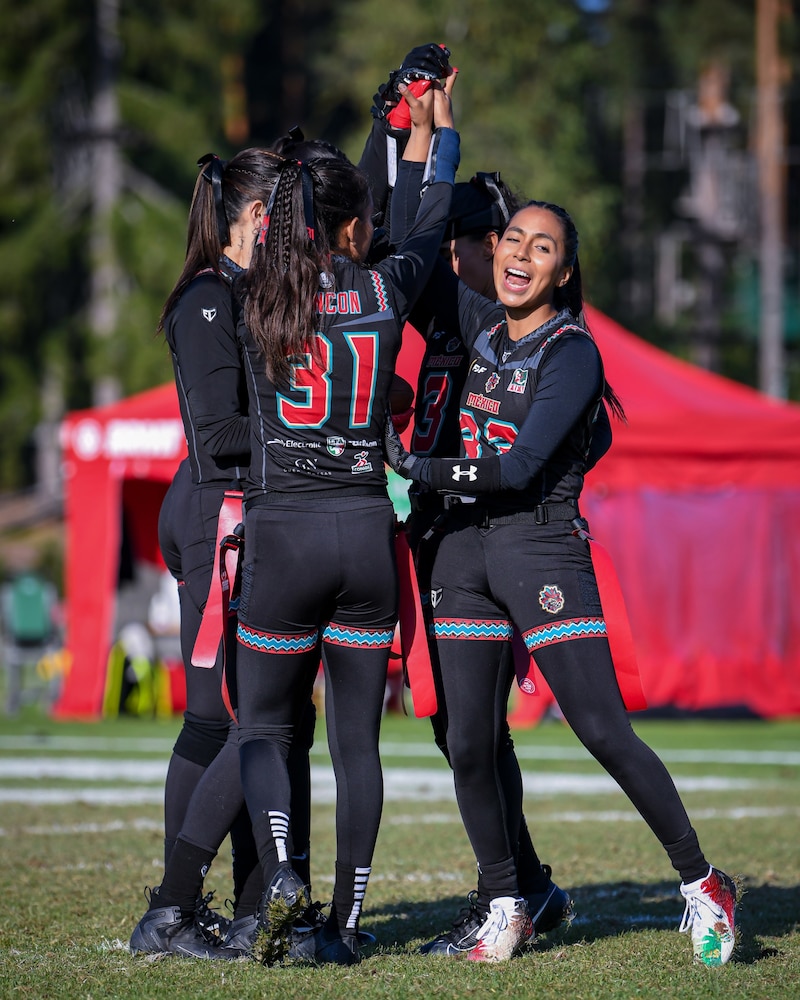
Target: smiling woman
x=514 y=552
x=530 y=262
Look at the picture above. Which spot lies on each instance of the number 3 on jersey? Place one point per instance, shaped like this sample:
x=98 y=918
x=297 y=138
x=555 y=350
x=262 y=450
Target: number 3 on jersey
x=311 y=379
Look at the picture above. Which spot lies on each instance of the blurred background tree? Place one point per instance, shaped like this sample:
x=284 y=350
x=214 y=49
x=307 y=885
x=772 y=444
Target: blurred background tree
x=639 y=117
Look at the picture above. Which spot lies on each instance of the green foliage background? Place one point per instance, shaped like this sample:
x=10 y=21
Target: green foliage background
x=542 y=96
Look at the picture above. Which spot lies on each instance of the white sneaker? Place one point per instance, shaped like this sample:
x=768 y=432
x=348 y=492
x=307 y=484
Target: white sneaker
x=504 y=931
x=709 y=915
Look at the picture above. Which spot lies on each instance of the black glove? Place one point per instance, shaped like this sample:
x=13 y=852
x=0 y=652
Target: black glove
x=397 y=458
x=425 y=62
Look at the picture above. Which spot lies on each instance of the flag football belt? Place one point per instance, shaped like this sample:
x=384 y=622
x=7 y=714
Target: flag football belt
x=469 y=509
x=213 y=629
x=425 y=500
x=414 y=648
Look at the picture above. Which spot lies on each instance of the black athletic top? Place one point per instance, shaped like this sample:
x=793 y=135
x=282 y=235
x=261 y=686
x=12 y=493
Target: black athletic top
x=324 y=430
x=527 y=407
x=201 y=333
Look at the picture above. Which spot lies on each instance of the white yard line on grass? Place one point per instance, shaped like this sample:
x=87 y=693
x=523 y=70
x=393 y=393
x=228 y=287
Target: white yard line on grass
x=589 y=816
x=96 y=744
x=144 y=780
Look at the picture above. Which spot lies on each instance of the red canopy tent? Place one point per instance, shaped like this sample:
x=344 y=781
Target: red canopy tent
x=118 y=463
x=695 y=502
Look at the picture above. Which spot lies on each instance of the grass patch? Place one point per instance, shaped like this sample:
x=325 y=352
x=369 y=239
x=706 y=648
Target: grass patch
x=72 y=875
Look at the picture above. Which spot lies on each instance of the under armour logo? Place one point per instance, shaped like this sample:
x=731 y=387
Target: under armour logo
x=470 y=474
x=209 y=314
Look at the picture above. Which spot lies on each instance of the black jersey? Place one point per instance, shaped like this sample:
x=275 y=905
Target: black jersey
x=201 y=333
x=477 y=388
x=540 y=395
x=442 y=374
x=527 y=407
x=324 y=430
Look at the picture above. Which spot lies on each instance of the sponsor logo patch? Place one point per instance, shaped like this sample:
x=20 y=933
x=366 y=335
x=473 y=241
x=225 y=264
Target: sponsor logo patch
x=519 y=380
x=436 y=596
x=363 y=463
x=335 y=446
x=492 y=381
x=209 y=314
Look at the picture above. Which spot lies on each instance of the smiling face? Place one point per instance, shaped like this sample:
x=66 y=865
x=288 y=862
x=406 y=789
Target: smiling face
x=529 y=264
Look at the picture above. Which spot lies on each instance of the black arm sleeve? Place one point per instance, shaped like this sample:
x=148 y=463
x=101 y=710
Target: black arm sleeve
x=570 y=382
x=209 y=368
x=380 y=158
x=409 y=269
x=474 y=476
x=405 y=200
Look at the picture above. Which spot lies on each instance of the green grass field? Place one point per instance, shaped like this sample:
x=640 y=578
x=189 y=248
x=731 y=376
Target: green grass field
x=80 y=838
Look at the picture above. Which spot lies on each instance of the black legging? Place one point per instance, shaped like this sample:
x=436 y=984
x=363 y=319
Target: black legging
x=355 y=682
x=581 y=676
x=315 y=567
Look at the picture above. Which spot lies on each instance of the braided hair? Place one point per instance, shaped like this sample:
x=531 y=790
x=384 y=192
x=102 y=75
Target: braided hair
x=312 y=199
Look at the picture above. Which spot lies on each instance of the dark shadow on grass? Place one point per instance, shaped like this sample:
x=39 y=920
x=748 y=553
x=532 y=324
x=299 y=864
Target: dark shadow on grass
x=604 y=910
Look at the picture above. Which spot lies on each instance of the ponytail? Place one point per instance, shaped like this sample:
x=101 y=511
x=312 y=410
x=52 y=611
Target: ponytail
x=312 y=200
x=570 y=294
x=222 y=191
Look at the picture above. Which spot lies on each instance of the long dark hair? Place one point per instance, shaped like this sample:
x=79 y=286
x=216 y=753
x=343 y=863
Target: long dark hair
x=570 y=295
x=312 y=200
x=221 y=193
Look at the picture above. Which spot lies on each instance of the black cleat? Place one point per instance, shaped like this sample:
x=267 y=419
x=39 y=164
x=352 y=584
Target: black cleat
x=284 y=899
x=211 y=924
x=313 y=918
x=549 y=908
x=166 y=930
x=240 y=937
x=463 y=935
x=326 y=946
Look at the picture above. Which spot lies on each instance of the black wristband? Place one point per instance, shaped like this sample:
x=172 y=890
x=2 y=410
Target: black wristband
x=464 y=475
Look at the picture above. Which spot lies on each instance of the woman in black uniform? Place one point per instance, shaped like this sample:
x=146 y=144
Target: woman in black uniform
x=321 y=337
x=480 y=211
x=515 y=550
x=203 y=795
